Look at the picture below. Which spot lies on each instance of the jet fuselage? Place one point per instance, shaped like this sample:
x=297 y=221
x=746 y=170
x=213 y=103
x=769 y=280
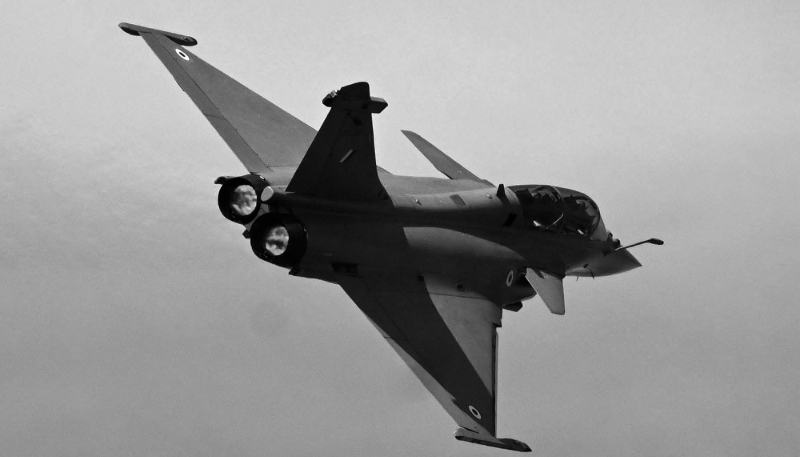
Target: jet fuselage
x=479 y=236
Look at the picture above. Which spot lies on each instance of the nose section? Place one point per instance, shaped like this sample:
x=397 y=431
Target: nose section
x=616 y=262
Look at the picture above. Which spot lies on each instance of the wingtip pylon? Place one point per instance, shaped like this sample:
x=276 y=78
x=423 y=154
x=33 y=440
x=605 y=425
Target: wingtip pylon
x=510 y=444
x=137 y=30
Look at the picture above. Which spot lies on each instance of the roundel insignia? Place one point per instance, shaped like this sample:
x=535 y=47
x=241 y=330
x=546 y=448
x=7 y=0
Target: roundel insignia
x=181 y=54
x=475 y=412
x=510 y=278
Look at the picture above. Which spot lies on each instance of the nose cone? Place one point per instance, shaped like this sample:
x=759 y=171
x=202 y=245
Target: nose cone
x=616 y=262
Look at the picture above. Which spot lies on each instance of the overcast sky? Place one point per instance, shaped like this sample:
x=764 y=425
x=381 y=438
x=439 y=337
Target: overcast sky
x=135 y=320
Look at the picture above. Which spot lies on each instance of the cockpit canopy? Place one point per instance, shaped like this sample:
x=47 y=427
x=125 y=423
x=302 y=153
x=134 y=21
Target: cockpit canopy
x=558 y=209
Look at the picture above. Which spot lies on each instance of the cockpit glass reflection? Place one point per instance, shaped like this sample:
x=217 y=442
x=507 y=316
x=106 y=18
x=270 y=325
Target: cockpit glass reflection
x=554 y=209
x=542 y=206
x=580 y=215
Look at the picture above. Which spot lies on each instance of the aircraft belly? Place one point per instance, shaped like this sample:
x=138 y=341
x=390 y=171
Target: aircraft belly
x=477 y=263
x=357 y=240
x=430 y=243
x=354 y=243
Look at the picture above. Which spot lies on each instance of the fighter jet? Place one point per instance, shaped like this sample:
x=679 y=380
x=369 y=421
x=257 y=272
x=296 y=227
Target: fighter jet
x=431 y=262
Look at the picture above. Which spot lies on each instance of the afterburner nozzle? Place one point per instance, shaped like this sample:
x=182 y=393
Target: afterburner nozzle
x=278 y=238
x=238 y=197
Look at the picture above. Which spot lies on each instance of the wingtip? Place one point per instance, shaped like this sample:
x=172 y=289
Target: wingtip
x=136 y=30
x=413 y=136
x=130 y=29
x=510 y=444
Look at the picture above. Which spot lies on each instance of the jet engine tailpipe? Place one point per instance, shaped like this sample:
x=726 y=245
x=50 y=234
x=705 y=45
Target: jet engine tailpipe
x=278 y=238
x=238 y=198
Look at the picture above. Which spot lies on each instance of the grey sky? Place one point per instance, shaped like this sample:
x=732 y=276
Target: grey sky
x=134 y=320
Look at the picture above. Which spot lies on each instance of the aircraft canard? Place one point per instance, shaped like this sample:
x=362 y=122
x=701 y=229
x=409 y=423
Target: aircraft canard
x=442 y=161
x=431 y=262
